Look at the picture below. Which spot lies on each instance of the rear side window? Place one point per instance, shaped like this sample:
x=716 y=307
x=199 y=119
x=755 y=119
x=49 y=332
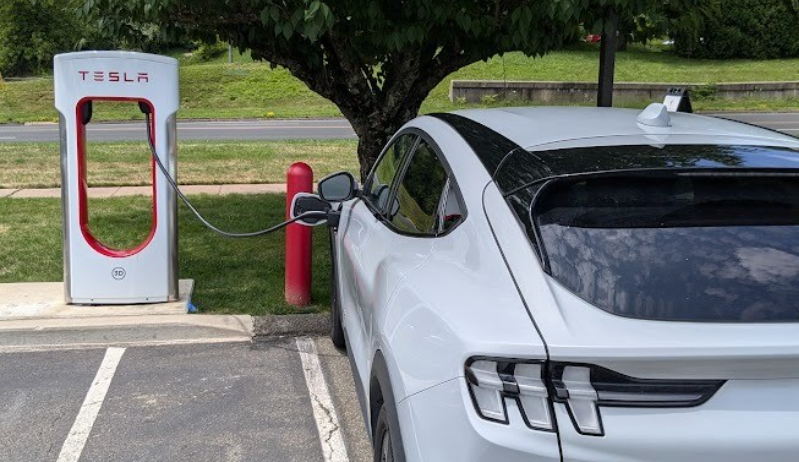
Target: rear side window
x=416 y=205
x=679 y=248
x=450 y=211
x=378 y=186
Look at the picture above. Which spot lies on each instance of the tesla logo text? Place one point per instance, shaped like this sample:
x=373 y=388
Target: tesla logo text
x=115 y=76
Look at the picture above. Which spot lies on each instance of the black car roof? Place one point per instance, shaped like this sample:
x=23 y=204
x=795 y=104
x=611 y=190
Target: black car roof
x=513 y=166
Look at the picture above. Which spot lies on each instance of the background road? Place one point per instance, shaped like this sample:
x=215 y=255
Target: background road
x=288 y=129
x=196 y=130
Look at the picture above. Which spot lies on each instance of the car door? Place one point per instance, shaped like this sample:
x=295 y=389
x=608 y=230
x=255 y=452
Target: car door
x=364 y=245
x=385 y=234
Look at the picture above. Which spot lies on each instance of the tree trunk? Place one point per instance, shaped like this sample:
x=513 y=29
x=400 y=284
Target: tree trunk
x=370 y=144
x=375 y=132
x=375 y=106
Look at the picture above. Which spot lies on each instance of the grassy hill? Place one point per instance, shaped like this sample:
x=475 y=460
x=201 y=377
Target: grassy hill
x=247 y=89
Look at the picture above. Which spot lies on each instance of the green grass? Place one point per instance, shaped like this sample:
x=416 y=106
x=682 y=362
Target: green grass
x=231 y=276
x=246 y=89
x=639 y=64
x=37 y=165
x=207 y=91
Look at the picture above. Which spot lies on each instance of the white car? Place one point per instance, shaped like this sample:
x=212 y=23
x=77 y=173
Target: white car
x=573 y=284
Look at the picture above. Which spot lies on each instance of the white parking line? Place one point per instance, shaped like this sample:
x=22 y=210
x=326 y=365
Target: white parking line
x=324 y=413
x=76 y=440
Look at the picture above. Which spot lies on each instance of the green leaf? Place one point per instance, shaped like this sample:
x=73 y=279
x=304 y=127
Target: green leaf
x=467 y=23
x=328 y=16
x=373 y=10
x=312 y=10
x=296 y=17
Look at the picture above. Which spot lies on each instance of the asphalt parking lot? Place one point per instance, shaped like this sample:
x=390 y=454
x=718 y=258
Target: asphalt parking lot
x=288 y=399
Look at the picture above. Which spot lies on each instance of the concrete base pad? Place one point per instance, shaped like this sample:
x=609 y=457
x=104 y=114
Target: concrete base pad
x=45 y=300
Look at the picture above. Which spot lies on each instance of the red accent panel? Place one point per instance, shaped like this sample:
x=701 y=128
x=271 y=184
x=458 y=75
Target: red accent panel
x=83 y=210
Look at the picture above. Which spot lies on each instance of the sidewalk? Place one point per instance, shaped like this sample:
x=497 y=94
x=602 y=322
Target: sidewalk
x=122 y=191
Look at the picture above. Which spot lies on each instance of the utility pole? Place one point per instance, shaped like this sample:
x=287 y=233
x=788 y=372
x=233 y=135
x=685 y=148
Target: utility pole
x=607 y=61
x=229 y=53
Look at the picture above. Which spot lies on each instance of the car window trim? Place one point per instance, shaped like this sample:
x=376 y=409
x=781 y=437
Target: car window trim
x=380 y=214
x=453 y=182
x=442 y=207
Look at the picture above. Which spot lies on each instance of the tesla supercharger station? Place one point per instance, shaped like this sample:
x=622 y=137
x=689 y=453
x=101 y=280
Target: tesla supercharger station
x=93 y=272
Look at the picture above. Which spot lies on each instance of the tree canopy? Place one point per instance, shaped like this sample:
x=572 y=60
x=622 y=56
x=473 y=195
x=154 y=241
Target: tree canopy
x=376 y=60
x=32 y=31
x=751 y=29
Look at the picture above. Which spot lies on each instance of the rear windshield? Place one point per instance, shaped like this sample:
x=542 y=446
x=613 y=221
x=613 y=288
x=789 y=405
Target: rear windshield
x=677 y=248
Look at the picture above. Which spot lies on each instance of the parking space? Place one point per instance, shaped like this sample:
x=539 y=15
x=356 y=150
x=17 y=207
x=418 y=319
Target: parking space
x=40 y=395
x=205 y=402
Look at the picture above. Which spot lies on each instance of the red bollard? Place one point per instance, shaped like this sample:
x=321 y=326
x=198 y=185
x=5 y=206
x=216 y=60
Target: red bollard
x=299 y=178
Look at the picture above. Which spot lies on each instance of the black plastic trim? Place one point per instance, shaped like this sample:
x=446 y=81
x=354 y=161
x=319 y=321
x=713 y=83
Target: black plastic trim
x=489 y=146
x=606 y=380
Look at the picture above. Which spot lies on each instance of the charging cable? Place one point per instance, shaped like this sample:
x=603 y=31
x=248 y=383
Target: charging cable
x=196 y=213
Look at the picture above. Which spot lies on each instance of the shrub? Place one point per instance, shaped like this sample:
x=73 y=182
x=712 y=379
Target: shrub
x=32 y=31
x=753 y=29
x=208 y=51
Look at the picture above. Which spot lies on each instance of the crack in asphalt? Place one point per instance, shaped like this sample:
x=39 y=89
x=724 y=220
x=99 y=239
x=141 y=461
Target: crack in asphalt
x=330 y=420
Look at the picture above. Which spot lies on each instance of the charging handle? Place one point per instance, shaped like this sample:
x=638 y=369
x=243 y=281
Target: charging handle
x=86 y=112
x=145 y=108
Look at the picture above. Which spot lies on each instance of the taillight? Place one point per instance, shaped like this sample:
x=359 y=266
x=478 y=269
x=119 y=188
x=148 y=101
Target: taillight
x=582 y=388
x=493 y=381
x=573 y=387
x=586 y=388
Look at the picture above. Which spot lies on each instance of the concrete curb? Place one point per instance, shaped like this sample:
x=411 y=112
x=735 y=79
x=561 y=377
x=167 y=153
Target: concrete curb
x=291 y=324
x=101 y=332
x=153 y=330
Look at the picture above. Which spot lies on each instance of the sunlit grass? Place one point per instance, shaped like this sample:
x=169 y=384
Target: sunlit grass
x=231 y=276
x=37 y=165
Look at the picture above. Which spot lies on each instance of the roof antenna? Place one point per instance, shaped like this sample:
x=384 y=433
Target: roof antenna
x=655 y=115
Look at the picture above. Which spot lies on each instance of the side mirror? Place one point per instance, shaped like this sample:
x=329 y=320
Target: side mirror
x=311 y=204
x=338 y=187
x=382 y=201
